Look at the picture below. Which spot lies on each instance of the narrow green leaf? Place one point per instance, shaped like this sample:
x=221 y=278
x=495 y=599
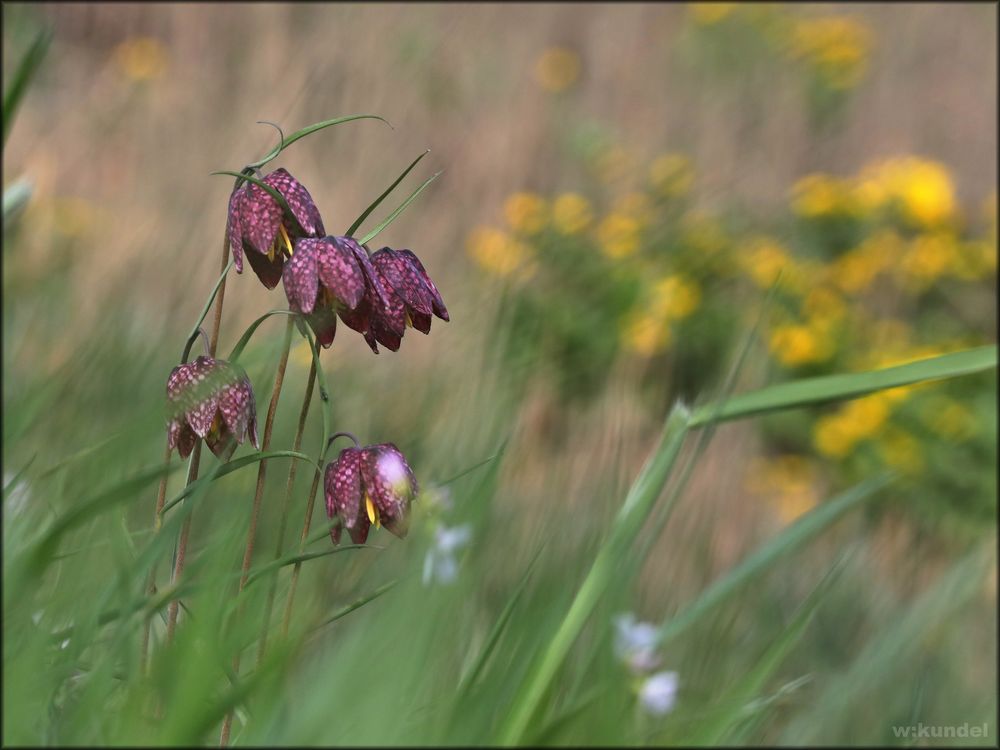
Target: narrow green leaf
x=392 y=217
x=358 y=604
x=286 y=142
x=634 y=511
x=806 y=528
x=230 y=467
x=274 y=565
x=208 y=306
x=357 y=222
x=18 y=85
x=245 y=338
x=835 y=387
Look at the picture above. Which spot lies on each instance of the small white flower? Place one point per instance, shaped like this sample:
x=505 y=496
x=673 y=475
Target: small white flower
x=635 y=644
x=440 y=562
x=659 y=693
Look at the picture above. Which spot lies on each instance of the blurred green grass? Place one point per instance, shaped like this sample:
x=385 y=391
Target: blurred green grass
x=106 y=268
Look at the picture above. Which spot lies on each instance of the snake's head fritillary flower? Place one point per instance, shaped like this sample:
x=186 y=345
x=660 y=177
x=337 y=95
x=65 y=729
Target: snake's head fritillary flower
x=210 y=399
x=258 y=227
x=412 y=298
x=323 y=277
x=369 y=486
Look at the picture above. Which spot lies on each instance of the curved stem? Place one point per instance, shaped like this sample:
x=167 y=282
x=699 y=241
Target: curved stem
x=182 y=542
x=289 y=486
x=190 y=342
x=336 y=435
x=272 y=408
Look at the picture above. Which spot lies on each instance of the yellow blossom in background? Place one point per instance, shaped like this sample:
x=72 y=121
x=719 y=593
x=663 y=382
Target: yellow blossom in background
x=676 y=297
x=788 y=482
x=865 y=416
x=636 y=205
x=703 y=233
x=948 y=418
x=836 y=46
x=928 y=257
x=571 y=213
x=763 y=259
x=974 y=260
x=901 y=451
x=645 y=334
x=832 y=436
x=557 y=69
x=707 y=14
x=824 y=304
x=497 y=252
x=854 y=271
x=526 y=213
x=796 y=344
x=618 y=236
x=819 y=195
x=671 y=175
x=614 y=164
x=923 y=188
x=141 y=59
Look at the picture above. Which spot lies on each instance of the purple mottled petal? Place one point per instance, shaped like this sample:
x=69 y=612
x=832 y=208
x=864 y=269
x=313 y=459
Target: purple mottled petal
x=392 y=315
x=186 y=441
x=299 y=201
x=404 y=278
x=340 y=272
x=344 y=496
x=439 y=309
x=374 y=286
x=260 y=216
x=222 y=444
x=206 y=388
x=323 y=322
x=267 y=270
x=378 y=331
x=234 y=229
x=235 y=399
x=421 y=321
x=390 y=483
x=300 y=276
x=173 y=432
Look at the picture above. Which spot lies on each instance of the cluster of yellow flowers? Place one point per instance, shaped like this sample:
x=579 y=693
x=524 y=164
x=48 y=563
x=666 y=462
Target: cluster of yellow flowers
x=836 y=47
x=646 y=331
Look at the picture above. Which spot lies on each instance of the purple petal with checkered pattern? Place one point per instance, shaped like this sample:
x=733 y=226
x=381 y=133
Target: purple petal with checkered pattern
x=340 y=272
x=260 y=217
x=234 y=229
x=344 y=496
x=439 y=309
x=186 y=441
x=323 y=321
x=267 y=270
x=374 y=285
x=301 y=277
x=390 y=483
x=404 y=279
x=392 y=315
x=299 y=201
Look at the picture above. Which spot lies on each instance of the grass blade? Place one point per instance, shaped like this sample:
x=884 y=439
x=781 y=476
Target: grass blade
x=17 y=87
x=637 y=506
x=309 y=130
x=807 y=527
x=392 y=217
x=835 y=387
x=357 y=222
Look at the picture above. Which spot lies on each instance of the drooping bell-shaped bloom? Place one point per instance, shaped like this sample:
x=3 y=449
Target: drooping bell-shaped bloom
x=412 y=298
x=258 y=227
x=211 y=399
x=366 y=486
x=325 y=276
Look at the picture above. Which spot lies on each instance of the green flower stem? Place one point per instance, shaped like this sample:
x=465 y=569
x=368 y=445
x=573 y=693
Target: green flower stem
x=286 y=506
x=279 y=378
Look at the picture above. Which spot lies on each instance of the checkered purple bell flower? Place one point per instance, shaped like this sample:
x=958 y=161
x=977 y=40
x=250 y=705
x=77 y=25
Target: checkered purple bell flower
x=211 y=399
x=258 y=228
x=366 y=486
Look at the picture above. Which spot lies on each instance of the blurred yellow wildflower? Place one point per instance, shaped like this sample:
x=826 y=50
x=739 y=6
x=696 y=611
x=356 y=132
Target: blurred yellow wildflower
x=557 y=69
x=798 y=344
x=824 y=304
x=948 y=418
x=571 y=213
x=901 y=451
x=526 y=213
x=676 y=297
x=618 y=236
x=922 y=187
x=788 y=481
x=836 y=46
x=763 y=259
x=636 y=205
x=645 y=334
x=142 y=58
x=671 y=175
x=707 y=14
x=819 y=195
x=974 y=260
x=854 y=271
x=496 y=251
x=832 y=436
x=865 y=416
x=928 y=257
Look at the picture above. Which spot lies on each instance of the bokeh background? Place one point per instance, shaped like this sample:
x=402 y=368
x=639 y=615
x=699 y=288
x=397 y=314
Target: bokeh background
x=621 y=188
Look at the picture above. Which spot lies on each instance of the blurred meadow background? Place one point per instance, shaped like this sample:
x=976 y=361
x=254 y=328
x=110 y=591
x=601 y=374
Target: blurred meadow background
x=635 y=200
